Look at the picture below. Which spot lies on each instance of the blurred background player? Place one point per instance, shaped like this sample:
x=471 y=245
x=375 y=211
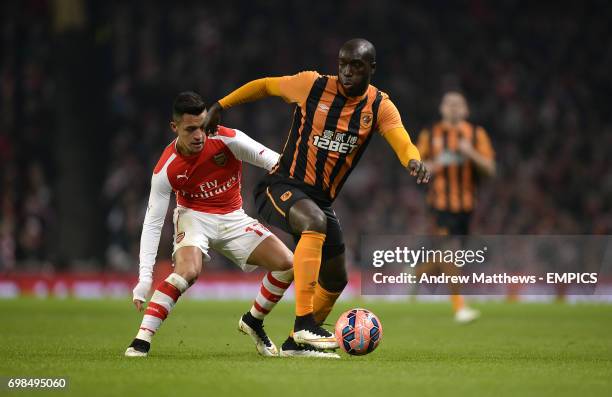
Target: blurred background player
x=458 y=153
x=205 y=174
x=335 y=117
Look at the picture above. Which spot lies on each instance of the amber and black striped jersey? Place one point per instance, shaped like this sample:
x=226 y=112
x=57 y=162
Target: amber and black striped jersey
x=329 y=133
x=330 y=130
x=453 y=187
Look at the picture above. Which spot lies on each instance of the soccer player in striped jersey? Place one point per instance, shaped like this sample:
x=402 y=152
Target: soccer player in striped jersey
x=334 y=119
x=458 y=153
x=205 y=175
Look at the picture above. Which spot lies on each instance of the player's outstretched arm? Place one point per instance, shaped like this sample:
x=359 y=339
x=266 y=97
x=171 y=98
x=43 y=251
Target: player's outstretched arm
x=390 y=126
x=293 y=89
x=249 y=150
x=159 y=198
x=408 y=154
x=251 y=91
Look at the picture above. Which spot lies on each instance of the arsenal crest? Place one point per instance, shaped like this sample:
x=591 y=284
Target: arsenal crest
x=366 y=120
x=220 y=159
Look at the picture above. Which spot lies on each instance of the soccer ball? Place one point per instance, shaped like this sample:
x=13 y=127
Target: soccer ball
x=358 y=331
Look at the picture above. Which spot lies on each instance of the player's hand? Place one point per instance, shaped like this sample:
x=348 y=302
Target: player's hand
x=212 y=119
x=417 y=168
x=139 y=294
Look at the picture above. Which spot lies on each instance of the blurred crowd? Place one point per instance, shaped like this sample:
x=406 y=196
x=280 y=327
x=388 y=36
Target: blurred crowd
x=536 y=76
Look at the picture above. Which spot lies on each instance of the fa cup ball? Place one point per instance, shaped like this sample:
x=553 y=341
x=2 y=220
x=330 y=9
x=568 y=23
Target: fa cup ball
x=358 y=331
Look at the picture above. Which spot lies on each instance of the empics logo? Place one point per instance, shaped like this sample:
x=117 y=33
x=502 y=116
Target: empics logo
x=335 y=141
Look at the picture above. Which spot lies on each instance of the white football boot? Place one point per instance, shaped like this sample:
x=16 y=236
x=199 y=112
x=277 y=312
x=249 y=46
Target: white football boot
x=292 y=349
x=466 y=315
x=253 y=327
x=138 y=348
x=131 y=352
x=316 y=337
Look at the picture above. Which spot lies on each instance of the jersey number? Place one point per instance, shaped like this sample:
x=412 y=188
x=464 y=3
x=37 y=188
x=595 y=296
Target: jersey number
x=333 y=146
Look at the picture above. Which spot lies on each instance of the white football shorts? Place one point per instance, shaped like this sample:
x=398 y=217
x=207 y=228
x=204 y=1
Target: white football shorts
x=235 y=235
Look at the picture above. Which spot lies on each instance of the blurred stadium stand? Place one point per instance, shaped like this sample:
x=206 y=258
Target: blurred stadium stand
x=87 y=89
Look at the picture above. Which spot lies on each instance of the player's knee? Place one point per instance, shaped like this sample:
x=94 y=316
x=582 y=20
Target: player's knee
x=189 y=273
x=285 y=264
x=280 y=262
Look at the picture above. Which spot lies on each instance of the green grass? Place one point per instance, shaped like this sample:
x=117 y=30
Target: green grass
x=514 y=350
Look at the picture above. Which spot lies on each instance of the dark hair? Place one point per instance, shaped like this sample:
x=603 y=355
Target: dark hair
x=187 y=102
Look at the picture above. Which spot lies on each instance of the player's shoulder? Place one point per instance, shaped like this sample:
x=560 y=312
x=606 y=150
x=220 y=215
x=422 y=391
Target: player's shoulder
x=381 y=101
x=226 y=132
x=166 y=156
x=376 y=93
x=309 y=74
x=225 y=138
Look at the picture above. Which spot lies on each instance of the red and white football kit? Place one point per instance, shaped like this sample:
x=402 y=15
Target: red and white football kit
x=209 y=210
x=209 y=214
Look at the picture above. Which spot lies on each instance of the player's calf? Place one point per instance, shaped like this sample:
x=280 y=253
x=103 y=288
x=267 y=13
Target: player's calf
x=161 y=304
x=273 y=287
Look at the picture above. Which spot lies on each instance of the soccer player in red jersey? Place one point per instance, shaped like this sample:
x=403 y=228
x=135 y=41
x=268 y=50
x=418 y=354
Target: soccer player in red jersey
x=205 y=174
x=335 y=117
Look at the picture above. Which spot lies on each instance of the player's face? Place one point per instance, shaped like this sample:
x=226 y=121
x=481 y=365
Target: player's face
x=454 y=107
x=354 y=72
x=190 y=131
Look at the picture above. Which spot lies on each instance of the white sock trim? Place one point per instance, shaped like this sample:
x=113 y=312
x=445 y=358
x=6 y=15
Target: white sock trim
x=286 y=276
x=178 y=281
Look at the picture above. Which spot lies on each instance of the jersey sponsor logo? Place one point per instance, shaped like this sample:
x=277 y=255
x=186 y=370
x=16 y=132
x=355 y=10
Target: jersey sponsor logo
x=323 y=107
x=286 y=196
x=213 y=188
x=366 y=119
x=180 y=237
x=220 y=159
x=335 y=141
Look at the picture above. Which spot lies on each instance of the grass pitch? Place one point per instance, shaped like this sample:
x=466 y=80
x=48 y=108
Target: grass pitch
x=514 y=349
